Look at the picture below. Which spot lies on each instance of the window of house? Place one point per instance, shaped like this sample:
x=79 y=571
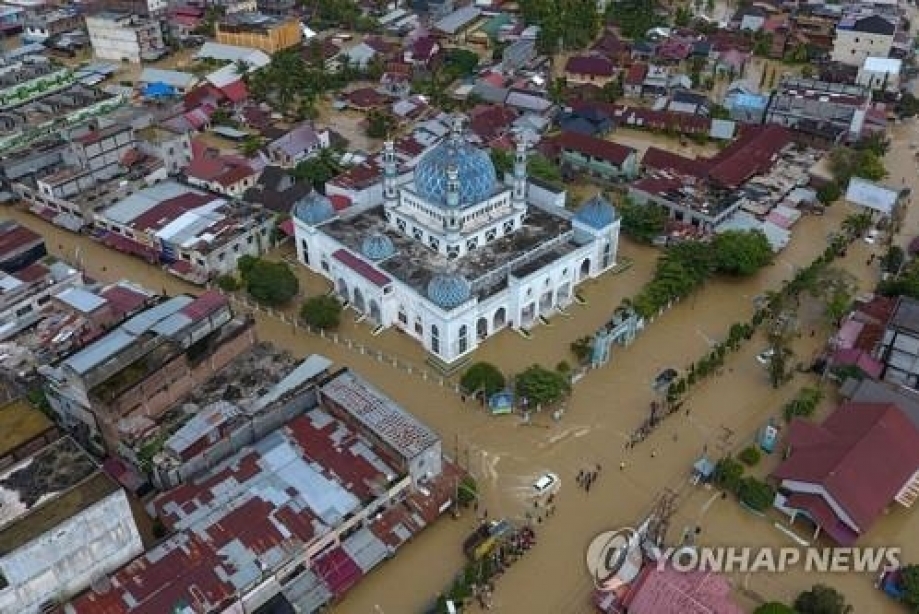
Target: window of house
x=236 y=248
x=463 y=339
x=435 y=339
x=221 y=256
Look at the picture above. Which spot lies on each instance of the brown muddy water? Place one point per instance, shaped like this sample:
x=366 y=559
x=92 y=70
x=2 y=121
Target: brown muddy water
x=505 y=455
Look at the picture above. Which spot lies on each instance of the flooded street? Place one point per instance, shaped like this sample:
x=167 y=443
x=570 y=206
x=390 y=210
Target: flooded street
x=505 y=455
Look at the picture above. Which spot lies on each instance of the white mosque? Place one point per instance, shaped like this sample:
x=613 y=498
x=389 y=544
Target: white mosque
x=453 y=255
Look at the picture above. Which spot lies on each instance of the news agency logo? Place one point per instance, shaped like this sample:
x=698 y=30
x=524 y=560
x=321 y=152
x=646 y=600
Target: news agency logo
x=614 y=558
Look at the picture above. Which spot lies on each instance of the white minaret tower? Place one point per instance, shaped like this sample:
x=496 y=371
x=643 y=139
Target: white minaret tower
x=453 y=199
x=390 y=194
x=519 y=195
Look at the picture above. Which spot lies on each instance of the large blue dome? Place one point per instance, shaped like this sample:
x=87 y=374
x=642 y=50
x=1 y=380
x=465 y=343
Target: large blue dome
x=475 y=172
x=377 y=247
x=313 y=209
x=597 y=213
x=449 y=291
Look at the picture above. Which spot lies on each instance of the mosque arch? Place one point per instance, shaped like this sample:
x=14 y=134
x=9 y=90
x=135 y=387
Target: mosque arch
x=359 y=302
x=342 y=287
x=481 y=328
x=500 y=318
x=585 y=269
x=375 y=313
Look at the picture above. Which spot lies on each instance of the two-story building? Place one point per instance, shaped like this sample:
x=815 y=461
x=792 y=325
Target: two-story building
x=257 y=31
x=598 y=158
x=125 y=38
x=861 y=36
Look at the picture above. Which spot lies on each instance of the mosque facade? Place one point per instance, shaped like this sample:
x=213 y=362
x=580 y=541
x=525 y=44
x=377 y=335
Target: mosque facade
x=454 y=255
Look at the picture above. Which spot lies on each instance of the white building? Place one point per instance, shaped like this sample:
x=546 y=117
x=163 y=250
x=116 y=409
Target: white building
x=24 y=295
x=125 y=38
x=880 y=73
x=452 y=255
x=70 y=527
x=862 y=36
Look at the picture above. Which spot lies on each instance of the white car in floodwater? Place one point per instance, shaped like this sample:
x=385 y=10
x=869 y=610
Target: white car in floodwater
x=765 y=356
x=547 y=483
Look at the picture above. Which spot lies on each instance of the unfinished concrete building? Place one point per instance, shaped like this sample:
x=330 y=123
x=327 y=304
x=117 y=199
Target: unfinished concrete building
x=123 y=382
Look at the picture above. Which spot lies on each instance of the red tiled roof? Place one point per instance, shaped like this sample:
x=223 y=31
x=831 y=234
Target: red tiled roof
x=339 y=202
x=204 y=305
x=668 y=591
x=753 y=153
x=663 y=160
x=862 y=455
x=366 y=98
x=338 y=571
x=17 y=238
x=129 y=246
x=32 y=273
x=159 y=215
x=594 y=65
x=123 y=300
x=287 y=227
x=490 y=121
x=821 y=513
x=598 y=148
x=637 y=73
x=235 y=91
x=365 y=270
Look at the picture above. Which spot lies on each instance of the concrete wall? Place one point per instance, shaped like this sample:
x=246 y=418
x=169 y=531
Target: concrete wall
x=63 y=561
x=174 y=380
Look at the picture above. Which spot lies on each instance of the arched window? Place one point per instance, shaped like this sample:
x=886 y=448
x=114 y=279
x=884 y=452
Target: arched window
x=435 y=339
x=463 y=339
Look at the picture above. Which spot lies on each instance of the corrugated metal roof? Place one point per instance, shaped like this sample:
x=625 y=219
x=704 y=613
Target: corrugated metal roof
x=81 y=300
x=457 y=19
x=308 y=593
x=100 y=351
x=365 y=549
x=126 y=210
x=313 y=366
x=174 y=78
x=380 y=414
x=146 y=320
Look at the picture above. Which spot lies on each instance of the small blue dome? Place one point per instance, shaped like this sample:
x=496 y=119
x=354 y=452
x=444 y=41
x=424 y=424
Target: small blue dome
x=597 y=213
x=377 y=247
x=313 y=209
x=449 y=291
x=475 y=172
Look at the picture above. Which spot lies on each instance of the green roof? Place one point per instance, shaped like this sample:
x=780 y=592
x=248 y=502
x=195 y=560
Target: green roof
x=493 y=26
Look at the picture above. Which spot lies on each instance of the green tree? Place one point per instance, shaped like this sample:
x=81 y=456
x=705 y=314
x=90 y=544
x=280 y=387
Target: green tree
x=779 y=365
x=893 y=259
x=467 y=491
x=582 y=348
x=541 y=386
x=228 y=283
x=756 y=494
x=484 y=377
x=317 y=169
x=322 y=311
x=909 y=580
x=634 y=17
x=503 y=161
x=750 y=456
x=542 y=168
x=250 y=145
x=270 y=283
x=846 y=162
x=822 y=599
x=741 y=252
x=829 y=193
x=803 y=405
x=728 y=474
x=379 y=124
x=774 y=607
x=642 y=222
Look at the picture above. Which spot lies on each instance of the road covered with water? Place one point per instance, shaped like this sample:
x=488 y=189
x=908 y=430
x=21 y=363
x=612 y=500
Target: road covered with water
x=506 y=455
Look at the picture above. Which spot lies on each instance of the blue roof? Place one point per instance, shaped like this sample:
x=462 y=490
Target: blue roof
x=159 y=90
x=377 y=247
x=475 y=172
x=597 y=213
x=753 y=101
x=449 y=291
x=313 y=209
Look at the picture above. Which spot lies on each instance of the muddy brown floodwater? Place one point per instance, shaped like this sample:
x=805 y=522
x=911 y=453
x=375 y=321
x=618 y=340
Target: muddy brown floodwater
x=506 y=455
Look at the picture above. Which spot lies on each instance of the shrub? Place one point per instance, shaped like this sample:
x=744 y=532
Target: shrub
x=270 y=283
x=728 y=474
x=755 y=494
x=563 y=367
x=322 y=312
x=228 y=283
x=750 y=456
x=482 y=376
x=467 y=491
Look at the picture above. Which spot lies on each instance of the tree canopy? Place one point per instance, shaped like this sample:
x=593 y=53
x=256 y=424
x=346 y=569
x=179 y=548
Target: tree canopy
x=822 y=599
x=741 y=252
x=755 y=494
x=270 y=283
x=538 y=165
x=573 y=24
x=846 y=162
x=909 y=580
x=317 y=169
x=540 y=386
x=829 y=192
x=322 y=311
x=634 y=17
x=483 y=376
x=328 y=14
x=642 y=222
x=379 y=124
